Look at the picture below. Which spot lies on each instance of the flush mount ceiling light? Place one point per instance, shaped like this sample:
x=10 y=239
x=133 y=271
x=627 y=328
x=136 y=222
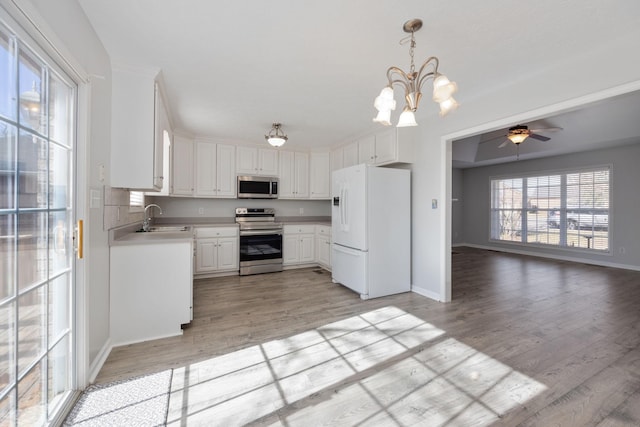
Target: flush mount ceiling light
x=276 y=136
x=412 y=83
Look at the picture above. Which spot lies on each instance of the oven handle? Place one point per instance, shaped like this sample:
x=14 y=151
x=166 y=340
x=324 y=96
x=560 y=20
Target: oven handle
x=260 y=232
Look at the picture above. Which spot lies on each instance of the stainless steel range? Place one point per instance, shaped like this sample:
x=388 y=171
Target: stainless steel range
x=260 y=241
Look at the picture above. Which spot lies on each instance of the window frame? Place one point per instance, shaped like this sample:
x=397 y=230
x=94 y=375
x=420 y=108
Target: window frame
x=563 y=210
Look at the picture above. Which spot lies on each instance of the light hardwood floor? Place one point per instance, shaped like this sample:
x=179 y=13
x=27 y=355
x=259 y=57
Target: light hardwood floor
x=526 y=341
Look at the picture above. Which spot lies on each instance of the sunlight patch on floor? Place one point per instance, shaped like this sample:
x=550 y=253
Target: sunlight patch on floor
x=375 y=367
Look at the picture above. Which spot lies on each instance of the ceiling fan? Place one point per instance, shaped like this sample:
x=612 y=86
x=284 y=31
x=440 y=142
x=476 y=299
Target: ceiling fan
x=517 y=135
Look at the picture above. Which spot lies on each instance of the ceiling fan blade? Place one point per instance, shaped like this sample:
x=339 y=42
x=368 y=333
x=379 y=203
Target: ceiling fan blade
x=539 y=137
x=506 y=141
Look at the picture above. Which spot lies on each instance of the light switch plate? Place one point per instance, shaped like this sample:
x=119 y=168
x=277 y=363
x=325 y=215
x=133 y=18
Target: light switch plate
x=434 y=203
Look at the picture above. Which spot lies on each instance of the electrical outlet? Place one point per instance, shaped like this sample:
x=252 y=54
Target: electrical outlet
x=200 y=211
x=622 y=250
x=301 y=211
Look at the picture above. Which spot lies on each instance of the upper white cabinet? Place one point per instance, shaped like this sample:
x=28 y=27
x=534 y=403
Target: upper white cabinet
x=390 y=146
x=350 y=155
x=138 y=121
x=215 y=171
x=182 y=171
x=320 y=176
x=336 y=159
x=257 y=161
x=294 y=175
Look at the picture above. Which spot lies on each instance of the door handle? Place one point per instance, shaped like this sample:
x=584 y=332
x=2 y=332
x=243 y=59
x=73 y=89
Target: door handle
x=79 y=238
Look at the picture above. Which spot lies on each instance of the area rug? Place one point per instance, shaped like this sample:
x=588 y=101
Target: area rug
x=140 y=401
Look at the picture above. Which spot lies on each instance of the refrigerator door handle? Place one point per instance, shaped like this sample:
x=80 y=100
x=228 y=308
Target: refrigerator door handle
x=345 y=209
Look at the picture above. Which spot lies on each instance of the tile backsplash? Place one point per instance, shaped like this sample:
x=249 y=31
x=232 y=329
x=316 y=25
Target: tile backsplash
x=117 y=211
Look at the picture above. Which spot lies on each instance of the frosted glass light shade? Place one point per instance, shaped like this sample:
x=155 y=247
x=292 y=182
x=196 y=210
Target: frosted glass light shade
x=276 y=141
x=443 y=88
x=407 y=118
x=383 y=117
x=447 y=106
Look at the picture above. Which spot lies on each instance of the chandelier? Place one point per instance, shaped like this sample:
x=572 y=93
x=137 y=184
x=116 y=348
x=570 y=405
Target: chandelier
x=412 y=83
x=276 y=137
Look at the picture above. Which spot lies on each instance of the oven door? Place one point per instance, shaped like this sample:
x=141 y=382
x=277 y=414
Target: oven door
x=260 y=251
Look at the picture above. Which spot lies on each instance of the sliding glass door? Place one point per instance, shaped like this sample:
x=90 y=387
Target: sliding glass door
x=37 y=110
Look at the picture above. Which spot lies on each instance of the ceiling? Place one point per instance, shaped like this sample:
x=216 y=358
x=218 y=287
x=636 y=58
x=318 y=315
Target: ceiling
x=230 y=69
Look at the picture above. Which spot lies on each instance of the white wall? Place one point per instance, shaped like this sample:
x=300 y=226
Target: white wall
x=554 y=88
x=225 y=208
x=65 y=22
x=624 y=207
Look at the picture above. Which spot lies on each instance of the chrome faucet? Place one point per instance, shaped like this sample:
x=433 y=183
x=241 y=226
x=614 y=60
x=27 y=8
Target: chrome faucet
x=147 y=219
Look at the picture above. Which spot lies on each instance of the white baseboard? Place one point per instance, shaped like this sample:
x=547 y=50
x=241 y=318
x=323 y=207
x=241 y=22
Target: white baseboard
x=426 y=293
x=95 y=367
x=554 y=256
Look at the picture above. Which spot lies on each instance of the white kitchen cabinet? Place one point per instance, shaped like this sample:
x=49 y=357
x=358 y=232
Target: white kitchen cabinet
x=182 y=170
x=151 y=290
x=138 y=120
x=298 y=244
x=323 y=245
x=216 y=249
x=257 y=161
x=215 y=172
x=320 y=176
x=350 y=155
x=387 y=147
x=336 y=159
x=367 y=150
x=294 y=175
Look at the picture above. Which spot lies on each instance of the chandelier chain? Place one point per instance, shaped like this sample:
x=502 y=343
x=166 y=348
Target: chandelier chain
x=411 y=49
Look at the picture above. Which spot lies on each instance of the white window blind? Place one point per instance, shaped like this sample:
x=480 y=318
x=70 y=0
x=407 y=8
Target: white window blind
x=136 y=200
x=568 y=209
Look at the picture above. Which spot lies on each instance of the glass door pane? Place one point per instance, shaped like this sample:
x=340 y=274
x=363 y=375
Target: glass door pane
x=37 y=108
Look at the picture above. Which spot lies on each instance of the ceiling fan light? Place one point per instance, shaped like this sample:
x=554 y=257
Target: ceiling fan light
x=448 y=105
x=383 y=117
x=407 y=118
x=517 y=138
x=443 y=88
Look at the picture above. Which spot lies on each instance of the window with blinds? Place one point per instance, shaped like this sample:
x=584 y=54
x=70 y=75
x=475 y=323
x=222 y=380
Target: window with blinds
x=568 y=209
x=136 y=200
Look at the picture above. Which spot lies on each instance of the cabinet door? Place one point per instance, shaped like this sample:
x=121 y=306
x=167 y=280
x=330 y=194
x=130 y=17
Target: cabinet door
x=301 y=184
x=320 y=176
x=228 y=253
x=385 y=147
x=182 y=167
x=367 y=150
x=247 y=160
x=206 y=255
x=268 y=162
x=225 y=170
x=162 y=132
x=323 y=250
x=336 y=159
x=307 y=248
x=287 y=171
x=350 y=155
x=206 y=169
x=290 y=248
x=133 y=130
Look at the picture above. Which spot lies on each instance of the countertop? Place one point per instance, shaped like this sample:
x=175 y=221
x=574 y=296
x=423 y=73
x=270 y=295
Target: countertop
x=129 y=235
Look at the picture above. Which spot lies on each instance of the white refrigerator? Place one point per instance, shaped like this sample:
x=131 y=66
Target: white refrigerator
x=371 y=230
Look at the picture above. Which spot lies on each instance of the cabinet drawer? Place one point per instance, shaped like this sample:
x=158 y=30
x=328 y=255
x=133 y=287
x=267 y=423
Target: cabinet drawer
x=323 y=230
x=204 y=232
x=299 y=229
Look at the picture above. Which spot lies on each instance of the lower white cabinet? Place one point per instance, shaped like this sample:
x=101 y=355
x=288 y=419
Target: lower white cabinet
x=298 y=244
x=151 y=290
x=323 y=245
x=216 y=249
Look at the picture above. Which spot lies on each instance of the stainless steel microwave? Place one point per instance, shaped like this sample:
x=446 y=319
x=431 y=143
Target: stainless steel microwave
x=257 y=187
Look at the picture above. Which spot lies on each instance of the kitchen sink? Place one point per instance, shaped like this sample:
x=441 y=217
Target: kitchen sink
x=166 y=229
